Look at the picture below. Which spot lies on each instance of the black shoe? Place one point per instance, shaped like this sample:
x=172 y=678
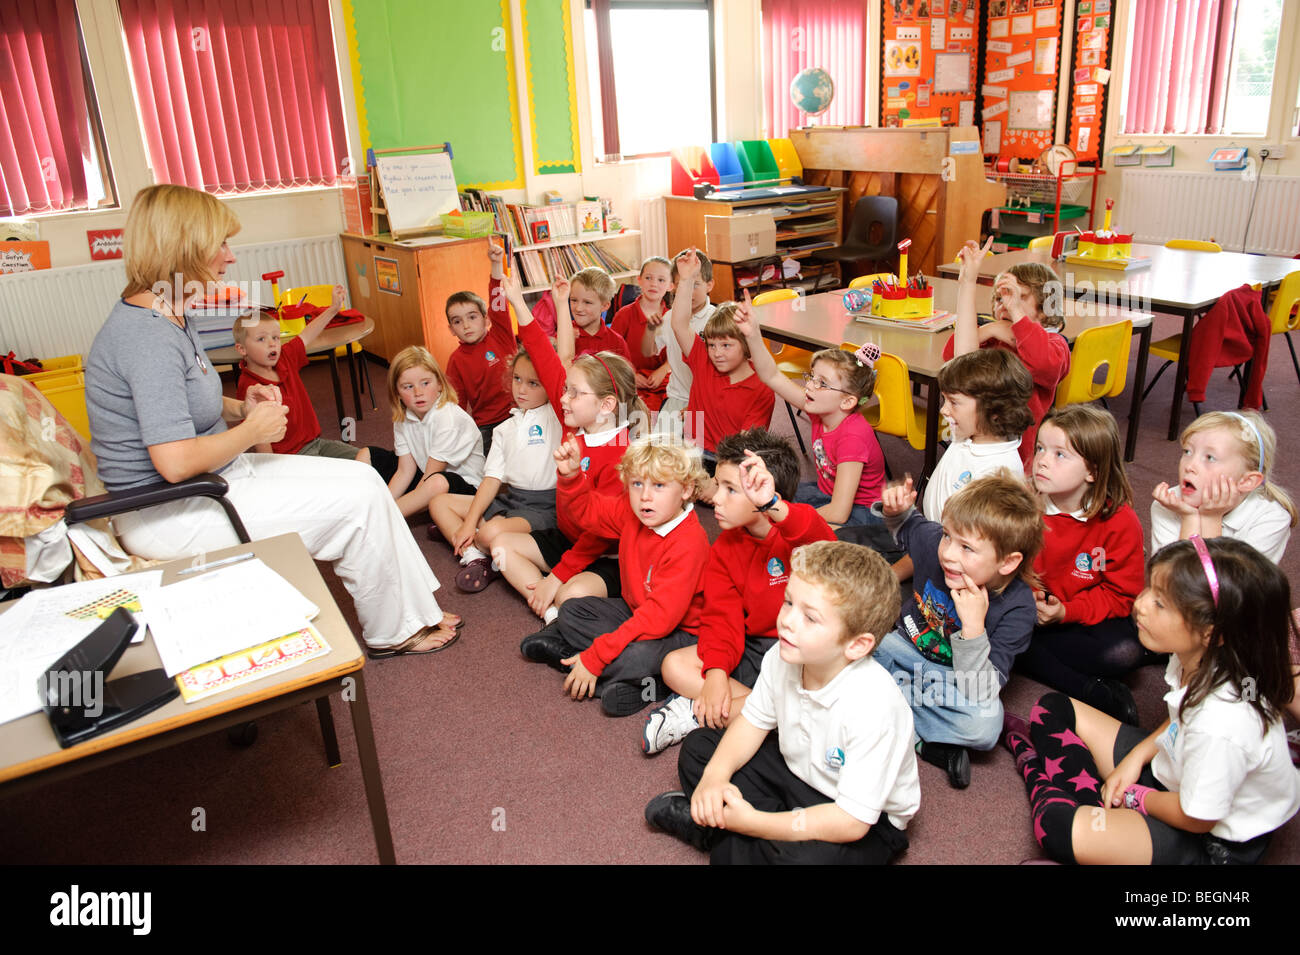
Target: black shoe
x=671 y=813
x=1114 y=698
x=625 y=699
x=547 y=646
x=952 y=759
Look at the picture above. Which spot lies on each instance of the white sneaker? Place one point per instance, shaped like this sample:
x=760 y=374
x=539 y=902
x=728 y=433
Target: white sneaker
x=668 y=724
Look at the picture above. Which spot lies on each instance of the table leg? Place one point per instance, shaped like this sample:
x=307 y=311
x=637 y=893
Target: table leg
x=356 y=381
x=1180 y=376
x=338 y=390
x=932 y=402
x=326 y=715
x=1139 y=386
x=369 y=758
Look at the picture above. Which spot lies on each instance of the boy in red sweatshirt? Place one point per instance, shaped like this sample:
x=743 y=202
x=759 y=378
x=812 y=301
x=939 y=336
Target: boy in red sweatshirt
x=477 y=367
x=613 y=647
x=744 y=586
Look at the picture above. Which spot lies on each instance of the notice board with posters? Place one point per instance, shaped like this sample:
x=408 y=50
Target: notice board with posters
x=1093 y=29
x=1022 y=52
x=929 y=54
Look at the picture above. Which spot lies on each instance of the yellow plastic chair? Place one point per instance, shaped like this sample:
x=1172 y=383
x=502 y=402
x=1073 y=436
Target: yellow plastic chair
x=1285 y=300
x=1194 y=245
x=1106 y=346
x=1042 y=243
x=864 y=281
x=792 y=362
x=894 y=411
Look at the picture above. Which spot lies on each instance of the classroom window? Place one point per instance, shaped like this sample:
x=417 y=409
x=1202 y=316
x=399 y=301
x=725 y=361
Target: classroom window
x=651 y=75
x=803 y=34
x=52 y=155
x=1201 y=66
x=237 y=98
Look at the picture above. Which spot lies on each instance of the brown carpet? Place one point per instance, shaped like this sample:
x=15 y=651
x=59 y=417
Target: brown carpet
x=484 y=761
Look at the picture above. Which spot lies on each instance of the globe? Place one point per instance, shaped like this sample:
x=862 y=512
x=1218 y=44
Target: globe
x=812 y=90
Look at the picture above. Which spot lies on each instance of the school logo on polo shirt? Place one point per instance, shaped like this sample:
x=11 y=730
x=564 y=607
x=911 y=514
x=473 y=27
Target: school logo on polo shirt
x=535 y=436
x=835 y=759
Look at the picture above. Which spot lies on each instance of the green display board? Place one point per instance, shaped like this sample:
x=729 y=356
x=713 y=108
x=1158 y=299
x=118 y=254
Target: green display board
x=552 y=100
x=428 y=71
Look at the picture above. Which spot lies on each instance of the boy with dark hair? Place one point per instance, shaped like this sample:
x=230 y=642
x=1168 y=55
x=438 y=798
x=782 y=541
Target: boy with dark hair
x=837 y=782
x=970 y=614
x=749 y=563
x=477 y=366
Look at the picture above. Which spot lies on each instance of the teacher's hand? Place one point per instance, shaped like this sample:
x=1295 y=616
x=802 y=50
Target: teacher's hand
x=267 y=422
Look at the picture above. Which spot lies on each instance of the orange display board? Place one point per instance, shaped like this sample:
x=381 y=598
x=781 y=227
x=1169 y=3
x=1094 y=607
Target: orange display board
x=1022 y=48
x=1089 y=76
x=24 y=256
x=929 y=53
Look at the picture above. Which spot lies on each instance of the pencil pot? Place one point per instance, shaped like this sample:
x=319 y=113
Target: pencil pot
x=920 y=302
x=1103 y=246
x=1123 y=246
x=1087 y=243
x=855 y=300
x=893 y=303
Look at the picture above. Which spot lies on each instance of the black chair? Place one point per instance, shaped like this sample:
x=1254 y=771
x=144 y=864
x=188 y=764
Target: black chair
x=870 y=214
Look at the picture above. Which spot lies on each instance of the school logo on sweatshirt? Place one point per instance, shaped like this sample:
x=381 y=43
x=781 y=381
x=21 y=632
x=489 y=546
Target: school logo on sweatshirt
x=775 y=568
x=648 y=571
x=835 y=759
x=491 y=357
x=586 y=463
x=1083 y=562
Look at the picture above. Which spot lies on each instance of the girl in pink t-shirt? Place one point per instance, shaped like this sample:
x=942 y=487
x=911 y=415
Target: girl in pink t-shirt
x=850 y=464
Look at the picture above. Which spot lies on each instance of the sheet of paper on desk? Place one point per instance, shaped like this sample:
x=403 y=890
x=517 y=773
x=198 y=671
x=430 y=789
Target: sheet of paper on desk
x=48 y=623
x=217 y=613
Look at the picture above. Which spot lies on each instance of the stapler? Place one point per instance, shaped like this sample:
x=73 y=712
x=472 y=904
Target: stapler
x=77 y=696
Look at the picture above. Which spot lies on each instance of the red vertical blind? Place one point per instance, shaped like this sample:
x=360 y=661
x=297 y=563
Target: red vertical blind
x=45 y=129
x=1181 y=52
x=237 y=96
x=799 y=34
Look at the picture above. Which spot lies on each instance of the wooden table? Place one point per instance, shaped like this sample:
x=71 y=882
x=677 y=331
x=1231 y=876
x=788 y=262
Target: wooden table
x=820 y=321
x=32 y=756
x=1177 y=282
x=325 y=343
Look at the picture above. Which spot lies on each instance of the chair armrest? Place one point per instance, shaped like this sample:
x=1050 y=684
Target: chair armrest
x=208 y=485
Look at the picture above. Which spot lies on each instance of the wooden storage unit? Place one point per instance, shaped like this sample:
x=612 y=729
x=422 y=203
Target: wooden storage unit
x=427 y=275
x=942 y=194
x=686 y=229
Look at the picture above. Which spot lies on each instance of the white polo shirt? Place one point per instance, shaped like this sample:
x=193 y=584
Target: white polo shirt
x=523 y=449
x=963 y=463
x=446 y=434
x=679 y=382
x=851 y=740
x=1224 y=765
x=1262 y=523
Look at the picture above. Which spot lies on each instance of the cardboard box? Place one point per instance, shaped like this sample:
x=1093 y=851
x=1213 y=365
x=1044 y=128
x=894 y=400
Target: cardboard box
x=739 y=238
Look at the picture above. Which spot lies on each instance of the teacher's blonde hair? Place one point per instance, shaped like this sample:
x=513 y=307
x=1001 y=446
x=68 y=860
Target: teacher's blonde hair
x=173 y=231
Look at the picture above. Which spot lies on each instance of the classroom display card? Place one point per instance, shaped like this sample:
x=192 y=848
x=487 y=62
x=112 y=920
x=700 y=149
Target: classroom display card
x=246 y=666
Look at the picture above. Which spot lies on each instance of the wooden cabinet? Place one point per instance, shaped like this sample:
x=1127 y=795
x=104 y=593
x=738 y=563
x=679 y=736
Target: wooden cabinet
x=686 y=229
x=937 y=176
x=405 y=289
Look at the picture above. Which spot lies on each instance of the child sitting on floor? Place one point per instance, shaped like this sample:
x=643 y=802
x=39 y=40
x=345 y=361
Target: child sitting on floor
x=637 y=322
x=268 y=362
x=850 y=464
x=1214 y=781
x=744 y=584
x=437 y=448
x=1028 y=320
x=613 y=647
x=678 y=392
x=590 y=292
x=837 y=782
x=726 y=395
x=476 y=368
x=1223 y=487
x=969 y=616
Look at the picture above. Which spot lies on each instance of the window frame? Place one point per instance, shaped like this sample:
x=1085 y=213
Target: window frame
x=604 y=69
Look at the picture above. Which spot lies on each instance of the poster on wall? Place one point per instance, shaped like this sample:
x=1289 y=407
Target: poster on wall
x=929 y=52
x=1089 y=80
x=1021 y=64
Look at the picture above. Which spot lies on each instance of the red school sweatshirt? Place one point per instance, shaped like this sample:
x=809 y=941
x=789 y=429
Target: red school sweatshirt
x=1093 y=567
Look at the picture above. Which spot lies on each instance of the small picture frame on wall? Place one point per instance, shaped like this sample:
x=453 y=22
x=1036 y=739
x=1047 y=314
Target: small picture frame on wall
x=541 y=232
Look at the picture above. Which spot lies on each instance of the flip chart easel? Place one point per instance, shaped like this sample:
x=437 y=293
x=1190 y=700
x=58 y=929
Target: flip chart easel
x=411 y=188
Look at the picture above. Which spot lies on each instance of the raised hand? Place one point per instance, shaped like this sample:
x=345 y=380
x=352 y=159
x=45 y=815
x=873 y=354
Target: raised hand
x=568 y=458
x=971 y=255
x=897 y=498
x=756 y=480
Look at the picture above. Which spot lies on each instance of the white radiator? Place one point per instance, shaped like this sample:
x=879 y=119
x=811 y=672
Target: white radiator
x=654 y=228
x=58 y=311
x=1159 y=205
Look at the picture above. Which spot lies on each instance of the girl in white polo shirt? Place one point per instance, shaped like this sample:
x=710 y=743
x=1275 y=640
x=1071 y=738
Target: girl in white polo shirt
x=1215 y=780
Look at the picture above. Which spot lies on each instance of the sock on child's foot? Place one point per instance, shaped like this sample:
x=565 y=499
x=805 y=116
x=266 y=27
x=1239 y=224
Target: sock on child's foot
x=550 y=615
x=472 y=554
